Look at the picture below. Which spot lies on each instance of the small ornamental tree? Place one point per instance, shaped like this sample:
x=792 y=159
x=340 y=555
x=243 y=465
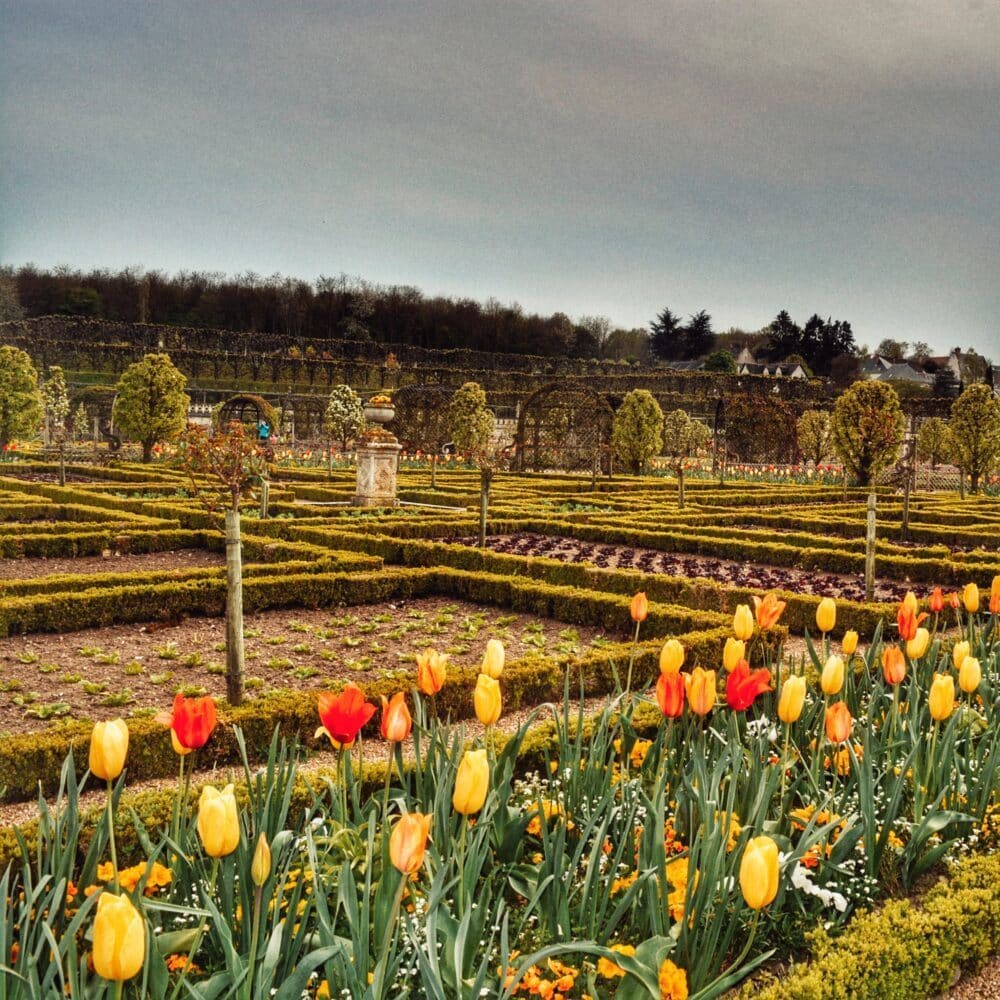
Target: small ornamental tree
x=232 y=461
x=20 y=399
x=151 y=406
x=815 y=434
x=682 y=437
x=81 y=423
x=975 y=432
x=867 y=429
x=934 y=442
x=345 y=415
x=56 y=402
x=637 y=431
x=472 y=432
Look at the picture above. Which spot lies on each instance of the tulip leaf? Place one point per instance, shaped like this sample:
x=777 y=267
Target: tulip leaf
x=176 y=942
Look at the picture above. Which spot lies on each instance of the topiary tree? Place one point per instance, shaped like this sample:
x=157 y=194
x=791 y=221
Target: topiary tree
x=682 y=437
x=472 y=432
x=721 y=361
x=975 y=432
x=867 y=429
x=637 y=432
x=815 y=434
x=934 y=443
x=151 y=406
x=20 y=399
x=344 y=418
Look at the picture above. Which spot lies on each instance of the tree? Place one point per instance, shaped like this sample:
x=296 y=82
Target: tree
x=759 y=428
x=824 y=340
x=845 y=369
x=934 y=443
x=867 y=429
x=628 y=345
x=55 y=399
x=345 y=415
x=815 y=434
x=946 y=385
x=892 y=350
x=698 y=335
x=81 y=423
x=637 y=432
x=20 y=399
x=721 y=361
x=232 y=460
x=10 y=302
x=975 y=432
x=151 y=405
x=472 y=431
x=784 y=337
x=920 y=350
x=682 y=437
x=667 y=341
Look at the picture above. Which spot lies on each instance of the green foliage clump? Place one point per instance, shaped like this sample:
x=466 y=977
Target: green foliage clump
x=975 y=432
x=20 y=398
x=151 y=406
x=867 y=429
x=637 y=434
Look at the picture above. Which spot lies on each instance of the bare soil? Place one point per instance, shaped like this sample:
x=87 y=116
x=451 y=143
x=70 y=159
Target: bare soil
x=725 y=571
x=180 y=560
x=132 y=670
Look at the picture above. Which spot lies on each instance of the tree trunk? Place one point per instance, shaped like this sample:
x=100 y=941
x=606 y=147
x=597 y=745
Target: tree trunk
x=147 y=451
x=265 y=496
x=974 y=483
x=961 y=483
x=680 y=488
x=485 y=477
x=434 y=469
x=62 y=463
x=870 y=550
x=234 y=609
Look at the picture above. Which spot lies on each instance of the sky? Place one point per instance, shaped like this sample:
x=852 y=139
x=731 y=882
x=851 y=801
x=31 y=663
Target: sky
x=585 y=156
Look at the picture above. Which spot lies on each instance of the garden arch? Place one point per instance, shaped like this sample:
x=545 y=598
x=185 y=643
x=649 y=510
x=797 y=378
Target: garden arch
x=564 y=425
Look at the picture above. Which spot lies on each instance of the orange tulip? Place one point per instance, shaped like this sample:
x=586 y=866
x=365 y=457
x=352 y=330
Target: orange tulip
x=431 y=669
x=670 y=694
x=995 y=596
x=701 y=690
x=893 y=665
x=396 y=719
x=408 y=842
x=955 y=601
x=838 y=722
x=639 y=607
x=936 y=601
x=907 y=618
x=768 y=610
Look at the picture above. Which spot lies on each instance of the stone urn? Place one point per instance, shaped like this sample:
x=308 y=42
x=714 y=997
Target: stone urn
x=378 y=455
x=379 y=413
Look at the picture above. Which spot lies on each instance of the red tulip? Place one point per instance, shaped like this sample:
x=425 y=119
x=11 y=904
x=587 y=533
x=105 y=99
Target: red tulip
x=344 y=714
x=192 y=720
x=908 y=620
x=670 y=694
x=743 y=685
x=936 y=601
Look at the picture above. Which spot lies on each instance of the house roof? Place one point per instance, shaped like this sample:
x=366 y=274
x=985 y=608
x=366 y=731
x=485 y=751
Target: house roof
x=904 y=373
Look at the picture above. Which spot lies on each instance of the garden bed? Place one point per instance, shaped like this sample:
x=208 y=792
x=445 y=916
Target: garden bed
x=181 y=559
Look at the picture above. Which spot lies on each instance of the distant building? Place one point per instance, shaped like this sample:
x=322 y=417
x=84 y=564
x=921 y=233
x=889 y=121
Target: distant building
x=776 y=369
x=903 y=372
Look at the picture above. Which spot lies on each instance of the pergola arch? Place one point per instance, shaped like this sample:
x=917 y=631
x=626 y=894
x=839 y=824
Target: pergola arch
x=247 y=408
x=564 y=425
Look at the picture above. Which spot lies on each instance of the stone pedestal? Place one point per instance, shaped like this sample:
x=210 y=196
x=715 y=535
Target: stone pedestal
x=377 y=461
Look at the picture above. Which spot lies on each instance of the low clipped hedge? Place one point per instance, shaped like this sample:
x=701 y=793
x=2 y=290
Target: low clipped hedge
x=908 y=949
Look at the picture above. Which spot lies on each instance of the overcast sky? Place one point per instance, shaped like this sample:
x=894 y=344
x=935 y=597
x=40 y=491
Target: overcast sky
x=589 y=156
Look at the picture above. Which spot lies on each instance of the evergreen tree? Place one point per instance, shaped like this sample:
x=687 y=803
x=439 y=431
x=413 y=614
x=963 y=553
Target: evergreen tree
x=151 y=406
x=667 y=341
x=637 y=432
x=20 y=399
x=698 y=335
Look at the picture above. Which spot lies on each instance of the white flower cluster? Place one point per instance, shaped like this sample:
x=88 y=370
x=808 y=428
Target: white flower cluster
x=828 y=897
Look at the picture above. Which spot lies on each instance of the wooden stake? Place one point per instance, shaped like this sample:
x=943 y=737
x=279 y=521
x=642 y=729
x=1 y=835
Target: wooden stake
x=870 y=550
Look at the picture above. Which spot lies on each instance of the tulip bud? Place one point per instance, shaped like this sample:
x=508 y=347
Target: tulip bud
x=970 y=598
x=917 y=646
x=832 y=678
x=734 y=651
x=471 y=783
x=119 y=938
x=701 y=690
x=793 y=697
x=941 y=699
x=408 y=842
x=759 y=872
x=486 y=699
x=260 y=867
x=639 y=607
x=970 y=675
x=431 y=669
x=671 y=657
x=893 y=665
x=959 y=652
x=743 y=622
x=850 y=642
x=838 y=722
x=108 y=747
x=826 y=615
x=954 y=601
x=396 y=719
x=218 y=821
x=493 y=659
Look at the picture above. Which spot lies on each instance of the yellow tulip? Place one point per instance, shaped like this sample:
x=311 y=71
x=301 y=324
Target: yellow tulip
x=826 y=615
x=179 y=748
x=218 y=821
x=119 y=938
x=832 y=678
x=260 y=867
x=486 y=699
x=970 y=675
x=671 y=657
x=917 y=646
x=970 y=598
x=493 y=659
x=850 y=642
x=759 y=872
x=701 y=690
x=793 y=697
x=108 y=747
x=942 y=697
x=431 y=669
x=959 y=652
x=743 y=622
x=408 y=842
x=910 y=603
x=735 y=650
x=471 y=783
